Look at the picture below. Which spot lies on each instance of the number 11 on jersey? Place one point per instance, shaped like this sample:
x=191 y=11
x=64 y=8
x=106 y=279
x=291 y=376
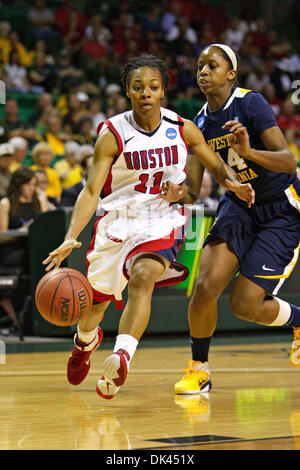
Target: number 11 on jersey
x=155 y=188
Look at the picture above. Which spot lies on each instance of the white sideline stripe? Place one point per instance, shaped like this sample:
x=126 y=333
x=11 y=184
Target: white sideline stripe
x=145 y=371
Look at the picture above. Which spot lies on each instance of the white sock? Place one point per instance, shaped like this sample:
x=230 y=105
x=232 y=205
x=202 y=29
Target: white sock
x=86 y=336
x=283 y=314
x=127 y=342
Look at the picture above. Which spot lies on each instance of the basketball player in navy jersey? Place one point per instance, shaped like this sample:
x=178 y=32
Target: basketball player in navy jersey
x=138 y=234
x=261 y=241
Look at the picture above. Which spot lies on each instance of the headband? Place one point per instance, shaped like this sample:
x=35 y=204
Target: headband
x=229 y=52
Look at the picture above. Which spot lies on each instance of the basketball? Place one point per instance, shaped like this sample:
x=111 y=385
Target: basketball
x=63 y=296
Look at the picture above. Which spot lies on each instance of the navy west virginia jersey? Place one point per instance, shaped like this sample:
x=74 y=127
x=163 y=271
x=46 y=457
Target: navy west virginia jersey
x=253 y=112
x=264 y=237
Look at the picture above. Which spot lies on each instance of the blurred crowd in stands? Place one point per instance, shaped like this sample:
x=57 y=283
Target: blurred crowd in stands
x=67 y=58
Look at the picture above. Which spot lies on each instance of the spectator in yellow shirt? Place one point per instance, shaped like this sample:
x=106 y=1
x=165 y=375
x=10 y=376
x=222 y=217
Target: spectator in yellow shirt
x=292 y=142
x=14 y=43
x=68 y=169
x=5 y=29
x=42 y=156
x=54 y=134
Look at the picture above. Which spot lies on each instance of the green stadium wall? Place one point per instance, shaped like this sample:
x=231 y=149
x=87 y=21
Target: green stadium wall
x=169 y=304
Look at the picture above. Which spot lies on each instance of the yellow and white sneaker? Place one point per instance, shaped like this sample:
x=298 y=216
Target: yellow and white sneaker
x=295 y=351
x=196 y=380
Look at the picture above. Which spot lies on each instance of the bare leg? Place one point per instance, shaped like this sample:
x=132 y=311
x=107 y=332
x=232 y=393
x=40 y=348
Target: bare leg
x=136 y=314
x=218 y=264
x=90 y=321
x=248 y=302
x=135 y=317
x=145 y=271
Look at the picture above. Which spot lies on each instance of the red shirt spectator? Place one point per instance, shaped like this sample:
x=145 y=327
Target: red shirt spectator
x=269 y=93
x=288 y=118
x=94 y=49
x=260 y=35
x=71 y=23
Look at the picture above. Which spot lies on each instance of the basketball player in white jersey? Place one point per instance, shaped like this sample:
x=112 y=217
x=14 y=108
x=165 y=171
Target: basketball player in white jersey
x=137 y=236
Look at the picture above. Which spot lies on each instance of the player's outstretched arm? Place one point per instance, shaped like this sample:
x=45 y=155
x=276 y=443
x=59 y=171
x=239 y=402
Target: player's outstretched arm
x=106 y=149
x=223 y=174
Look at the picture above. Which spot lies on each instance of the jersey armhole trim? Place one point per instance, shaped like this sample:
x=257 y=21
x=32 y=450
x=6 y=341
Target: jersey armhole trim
x=116 y=134
x=178 y=123
x=181 y=131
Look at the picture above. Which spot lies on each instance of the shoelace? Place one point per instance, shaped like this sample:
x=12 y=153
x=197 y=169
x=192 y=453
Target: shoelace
x=125 y=353
x=78 y=355
x=190 y=369
x=202 y=374
x=296 y=341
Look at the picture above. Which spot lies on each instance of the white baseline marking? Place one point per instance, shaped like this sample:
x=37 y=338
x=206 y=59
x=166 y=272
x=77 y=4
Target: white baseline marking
x=145 y=371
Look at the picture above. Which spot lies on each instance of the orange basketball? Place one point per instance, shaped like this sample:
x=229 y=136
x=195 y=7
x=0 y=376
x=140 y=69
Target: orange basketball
x=63 y=296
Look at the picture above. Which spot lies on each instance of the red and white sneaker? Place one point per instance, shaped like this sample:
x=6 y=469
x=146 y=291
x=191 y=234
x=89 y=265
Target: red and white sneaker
x=79 y=361
x=115 y=370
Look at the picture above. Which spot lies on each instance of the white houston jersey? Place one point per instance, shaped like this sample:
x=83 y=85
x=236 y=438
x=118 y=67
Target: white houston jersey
x=144 y=162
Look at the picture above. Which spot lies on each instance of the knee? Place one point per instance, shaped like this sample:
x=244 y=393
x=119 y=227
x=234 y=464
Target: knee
x=141 y=279
x=244 y=308
x=205 y=289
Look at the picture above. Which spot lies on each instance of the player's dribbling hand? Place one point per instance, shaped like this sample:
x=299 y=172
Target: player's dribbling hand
x=245 y=192
x=172 y=192
x=57 y=256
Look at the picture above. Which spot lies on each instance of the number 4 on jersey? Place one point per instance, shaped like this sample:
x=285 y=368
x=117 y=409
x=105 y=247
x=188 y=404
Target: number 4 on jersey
x=233 y=159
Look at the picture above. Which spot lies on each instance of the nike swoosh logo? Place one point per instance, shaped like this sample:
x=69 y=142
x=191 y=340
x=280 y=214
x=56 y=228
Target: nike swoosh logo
x=267 y=269
x=126 y=141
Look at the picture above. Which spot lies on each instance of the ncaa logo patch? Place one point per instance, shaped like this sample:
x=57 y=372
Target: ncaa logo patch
x=171 y=133
x=200 y=122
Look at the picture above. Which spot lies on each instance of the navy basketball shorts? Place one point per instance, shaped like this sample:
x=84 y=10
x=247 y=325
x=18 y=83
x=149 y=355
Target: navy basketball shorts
x=265 y=239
